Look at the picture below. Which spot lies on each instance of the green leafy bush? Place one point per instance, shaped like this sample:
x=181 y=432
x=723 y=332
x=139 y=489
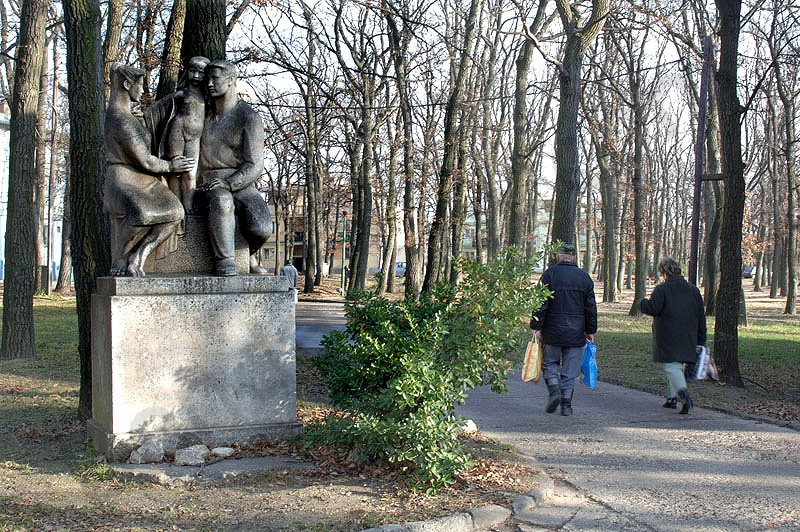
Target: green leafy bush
x=400 y=368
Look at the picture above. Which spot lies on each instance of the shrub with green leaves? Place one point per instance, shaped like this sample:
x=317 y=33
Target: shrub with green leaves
x=400 y=368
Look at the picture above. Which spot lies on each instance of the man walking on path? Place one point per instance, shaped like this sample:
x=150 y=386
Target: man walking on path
x=564 y=324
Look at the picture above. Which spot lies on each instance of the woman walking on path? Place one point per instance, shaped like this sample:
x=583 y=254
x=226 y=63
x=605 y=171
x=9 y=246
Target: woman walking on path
x=679 y=326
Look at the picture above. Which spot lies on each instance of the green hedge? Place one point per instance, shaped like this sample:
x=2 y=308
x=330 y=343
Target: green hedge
x=400 y=368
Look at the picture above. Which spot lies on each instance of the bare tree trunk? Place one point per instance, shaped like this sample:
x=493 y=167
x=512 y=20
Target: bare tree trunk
x=520 y=168
x=567 y=185
x=449 y=158
x=787 y=99
x=18 y=334
x=713 y=206
x=311 y=267
x=459 y=206
x=640 y=275
x=89 y=233
x=64 y=284
x=204 y=31
x=54 y=154
x=398 y=43
x=42 y=227
x=171 y=55
x=114 y=20
x=726 y=343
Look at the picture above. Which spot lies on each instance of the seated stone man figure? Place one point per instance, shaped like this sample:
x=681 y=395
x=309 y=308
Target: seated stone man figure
x=231 y=161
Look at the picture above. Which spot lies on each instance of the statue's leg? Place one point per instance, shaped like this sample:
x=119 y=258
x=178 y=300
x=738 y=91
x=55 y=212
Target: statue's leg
x=189 y=179
x=125 y=238
x=155 y=236
x=221 y=230
x=188 y=185
x=255 y=223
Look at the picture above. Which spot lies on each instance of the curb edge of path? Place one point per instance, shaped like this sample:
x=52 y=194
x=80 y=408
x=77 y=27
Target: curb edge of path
x=481 y=518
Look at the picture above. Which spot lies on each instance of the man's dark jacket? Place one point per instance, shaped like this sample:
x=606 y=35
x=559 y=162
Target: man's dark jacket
x=572 y=312
x=679 y=320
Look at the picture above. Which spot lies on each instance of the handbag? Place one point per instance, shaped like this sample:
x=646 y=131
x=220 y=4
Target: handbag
x=532 y=364
x=589 y=365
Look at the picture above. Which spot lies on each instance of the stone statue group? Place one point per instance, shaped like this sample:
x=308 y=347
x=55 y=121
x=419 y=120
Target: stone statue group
x=196 y=151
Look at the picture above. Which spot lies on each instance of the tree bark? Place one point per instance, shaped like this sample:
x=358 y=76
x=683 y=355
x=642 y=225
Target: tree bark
x=64 y=283
x=450 y=155
x=171 y=56
x=398 y=45
x=114 y=20
x=520 y=169
x=787 y=99
x=41 y=278
x=89 y=232
x=204 y=31
x=726 y=343
x=567 y=186
x=18 y=339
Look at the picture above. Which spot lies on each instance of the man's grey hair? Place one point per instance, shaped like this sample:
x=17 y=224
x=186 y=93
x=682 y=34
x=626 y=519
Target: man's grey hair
x=669 y=267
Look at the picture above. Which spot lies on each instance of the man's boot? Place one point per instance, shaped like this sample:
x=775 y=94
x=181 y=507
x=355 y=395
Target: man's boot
x=566 y=402
x=686 y=401
x=552 y=401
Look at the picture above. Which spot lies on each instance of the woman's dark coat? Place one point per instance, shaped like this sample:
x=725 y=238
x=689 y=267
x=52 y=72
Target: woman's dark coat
x=679 y=320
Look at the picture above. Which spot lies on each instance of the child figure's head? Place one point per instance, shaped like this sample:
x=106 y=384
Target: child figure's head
x=195 y=70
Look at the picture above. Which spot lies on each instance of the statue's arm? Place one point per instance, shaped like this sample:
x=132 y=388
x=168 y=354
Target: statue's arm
x=138 y=153
x=252 y=154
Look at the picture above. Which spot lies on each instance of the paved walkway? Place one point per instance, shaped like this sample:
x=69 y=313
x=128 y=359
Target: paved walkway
x=638 y=466
x=314 y=319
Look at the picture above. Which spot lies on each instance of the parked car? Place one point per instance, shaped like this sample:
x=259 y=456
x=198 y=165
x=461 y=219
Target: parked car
x=747 y=273
x=400 y=269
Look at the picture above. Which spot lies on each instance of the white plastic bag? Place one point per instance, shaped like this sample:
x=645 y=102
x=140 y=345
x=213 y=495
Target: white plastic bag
x=701 y=366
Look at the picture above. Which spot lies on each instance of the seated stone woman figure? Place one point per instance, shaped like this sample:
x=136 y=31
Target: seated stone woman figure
x=143 y=210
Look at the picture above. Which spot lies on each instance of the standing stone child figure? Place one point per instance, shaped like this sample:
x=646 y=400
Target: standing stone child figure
x=182 y=136
x=231 y=160
x=143 y=211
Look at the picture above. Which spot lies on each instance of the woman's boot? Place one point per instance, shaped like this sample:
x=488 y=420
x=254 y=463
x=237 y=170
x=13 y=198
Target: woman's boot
x=685 y=400
x=566 y=402
x=553 y=386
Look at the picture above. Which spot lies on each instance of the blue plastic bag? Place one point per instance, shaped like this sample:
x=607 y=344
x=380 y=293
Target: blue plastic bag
x=589 y=366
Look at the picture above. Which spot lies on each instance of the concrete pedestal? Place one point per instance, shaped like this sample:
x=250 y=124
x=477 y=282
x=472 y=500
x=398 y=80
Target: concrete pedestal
x=184 y=360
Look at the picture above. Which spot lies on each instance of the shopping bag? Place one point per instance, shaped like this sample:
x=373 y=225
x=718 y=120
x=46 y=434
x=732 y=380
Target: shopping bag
x=703 y=368
x=589 y=366
x=532 y=364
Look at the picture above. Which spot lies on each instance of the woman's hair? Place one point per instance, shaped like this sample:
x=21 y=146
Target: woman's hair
x=121 y=72
x=669 y=267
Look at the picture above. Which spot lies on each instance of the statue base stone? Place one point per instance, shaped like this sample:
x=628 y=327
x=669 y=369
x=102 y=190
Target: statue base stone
x=180 y=360
x=189 y=252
